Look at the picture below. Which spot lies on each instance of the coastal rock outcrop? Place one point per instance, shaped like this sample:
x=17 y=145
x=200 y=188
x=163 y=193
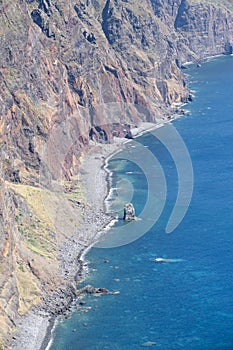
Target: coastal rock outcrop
x=94 y=290
x=129 y=212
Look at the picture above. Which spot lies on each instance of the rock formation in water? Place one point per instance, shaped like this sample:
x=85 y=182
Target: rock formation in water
x=129 y=212
x=72 y=72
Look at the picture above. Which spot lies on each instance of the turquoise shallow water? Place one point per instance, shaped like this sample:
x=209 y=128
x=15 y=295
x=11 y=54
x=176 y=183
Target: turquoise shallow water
x=185 y=304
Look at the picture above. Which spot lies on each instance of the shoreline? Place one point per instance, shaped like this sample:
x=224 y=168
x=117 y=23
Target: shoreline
x=35 y=329
x=40 y=325
x=109 y=157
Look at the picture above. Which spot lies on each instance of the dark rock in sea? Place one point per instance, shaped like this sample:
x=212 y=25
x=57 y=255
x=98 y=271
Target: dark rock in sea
x=92 y=290
x=102 y=291
x=129 y=212
x=190 y=98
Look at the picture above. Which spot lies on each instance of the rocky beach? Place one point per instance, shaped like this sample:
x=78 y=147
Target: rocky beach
x=34 y=330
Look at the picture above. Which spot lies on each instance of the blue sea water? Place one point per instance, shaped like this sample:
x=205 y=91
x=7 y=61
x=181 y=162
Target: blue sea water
x=185 y=304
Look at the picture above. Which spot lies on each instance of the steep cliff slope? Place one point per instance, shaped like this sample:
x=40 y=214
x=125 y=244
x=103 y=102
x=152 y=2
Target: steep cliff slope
x=71 y=71
x=201 y=28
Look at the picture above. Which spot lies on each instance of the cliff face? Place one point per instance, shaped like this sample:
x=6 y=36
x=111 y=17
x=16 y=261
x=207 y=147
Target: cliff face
x=71 y=72
x=201 y=28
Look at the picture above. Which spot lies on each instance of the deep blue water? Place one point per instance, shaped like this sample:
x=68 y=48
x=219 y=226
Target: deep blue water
x=187 y=304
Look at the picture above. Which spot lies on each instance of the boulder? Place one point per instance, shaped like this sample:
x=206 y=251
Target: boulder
x=129 y=212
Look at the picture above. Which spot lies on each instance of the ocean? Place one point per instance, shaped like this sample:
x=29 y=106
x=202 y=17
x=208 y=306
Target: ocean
x=184 y=299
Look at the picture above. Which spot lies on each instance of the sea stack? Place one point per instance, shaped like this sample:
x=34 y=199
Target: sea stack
x=129 y=212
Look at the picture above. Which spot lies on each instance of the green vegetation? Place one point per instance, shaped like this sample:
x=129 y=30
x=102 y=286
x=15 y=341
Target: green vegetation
x=21 y=267
x=38 y=238
x=73 y=190
x=28 y=290
x=48 y=216
x=34 y=224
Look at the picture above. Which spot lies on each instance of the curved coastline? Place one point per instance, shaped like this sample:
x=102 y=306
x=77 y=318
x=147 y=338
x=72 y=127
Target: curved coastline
x=41 y=324
x=108 y=157
x=106 y=153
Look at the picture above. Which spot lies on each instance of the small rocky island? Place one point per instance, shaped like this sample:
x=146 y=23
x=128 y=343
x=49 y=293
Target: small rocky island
x=129 y=212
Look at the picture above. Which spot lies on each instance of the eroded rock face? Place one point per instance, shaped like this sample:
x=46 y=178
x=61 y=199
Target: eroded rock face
x=93 y=65
x=86 y=64
x=201 y=29
x=76 y=71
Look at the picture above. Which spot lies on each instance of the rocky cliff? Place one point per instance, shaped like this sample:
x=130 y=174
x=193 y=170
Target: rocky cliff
x=201 y=28
x=70 y=72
